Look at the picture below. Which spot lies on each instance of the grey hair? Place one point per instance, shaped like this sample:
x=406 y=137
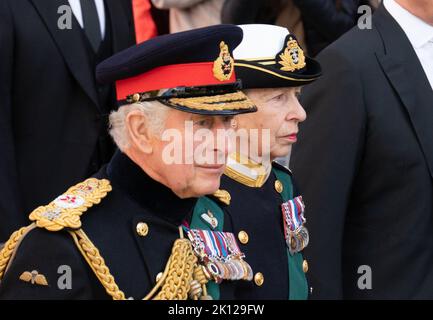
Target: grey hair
x=154 y=111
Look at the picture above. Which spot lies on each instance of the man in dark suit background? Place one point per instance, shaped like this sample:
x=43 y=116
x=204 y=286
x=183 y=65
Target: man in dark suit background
x=364 y=160
x=53 y=124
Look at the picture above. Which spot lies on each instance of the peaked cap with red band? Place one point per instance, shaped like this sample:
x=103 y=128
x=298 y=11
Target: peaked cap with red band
x=192 y=71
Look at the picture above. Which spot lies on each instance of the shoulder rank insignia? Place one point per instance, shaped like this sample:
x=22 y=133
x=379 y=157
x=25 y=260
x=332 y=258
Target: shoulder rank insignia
x=292 y=58
x=34 y=277
x=65 y=210
x=223 y=196
x=224 y=64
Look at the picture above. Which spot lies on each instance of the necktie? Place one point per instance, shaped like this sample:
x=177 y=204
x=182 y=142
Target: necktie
x=91 y=26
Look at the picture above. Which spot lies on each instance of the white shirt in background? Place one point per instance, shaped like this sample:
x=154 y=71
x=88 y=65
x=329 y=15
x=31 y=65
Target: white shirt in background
x=420 y=35
x=76 y=9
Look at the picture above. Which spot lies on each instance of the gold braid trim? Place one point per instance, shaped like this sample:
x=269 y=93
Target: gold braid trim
x=175 y=283
x=97 y=263
x=178 y=273
x=229 y=101
x=10 y=247
x=66 y=210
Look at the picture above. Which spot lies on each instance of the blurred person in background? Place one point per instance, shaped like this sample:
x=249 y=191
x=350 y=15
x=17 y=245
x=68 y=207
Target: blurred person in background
x=326 y=20
x=316 y=23
x=53 y=124
x=191 y=14
x=364 y=160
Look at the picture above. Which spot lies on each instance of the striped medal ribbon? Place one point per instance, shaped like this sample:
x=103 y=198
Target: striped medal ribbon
x=220 y=254
x=296 y=234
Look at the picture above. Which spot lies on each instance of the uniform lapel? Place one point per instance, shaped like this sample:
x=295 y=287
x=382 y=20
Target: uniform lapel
x=70 y=44
x=406 y=75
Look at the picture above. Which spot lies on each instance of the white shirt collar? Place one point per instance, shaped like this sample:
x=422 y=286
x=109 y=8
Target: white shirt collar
x=418 y=31
x=76 y=9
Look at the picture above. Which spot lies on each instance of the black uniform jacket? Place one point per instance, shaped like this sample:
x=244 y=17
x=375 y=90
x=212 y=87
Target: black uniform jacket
x=133 y=260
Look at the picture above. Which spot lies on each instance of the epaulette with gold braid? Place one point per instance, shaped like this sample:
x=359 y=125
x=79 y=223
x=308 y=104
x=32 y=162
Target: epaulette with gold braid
x=65 y=211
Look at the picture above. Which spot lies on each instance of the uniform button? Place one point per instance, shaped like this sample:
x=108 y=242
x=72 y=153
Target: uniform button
x=142 y=229
x=305 y=266
x=259 y=279
x=159 y=276
x=243 y=237
x=278 y=186
x=135 y=97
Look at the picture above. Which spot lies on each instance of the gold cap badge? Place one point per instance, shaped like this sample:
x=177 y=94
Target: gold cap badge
x=293 y=57
x=223 y=65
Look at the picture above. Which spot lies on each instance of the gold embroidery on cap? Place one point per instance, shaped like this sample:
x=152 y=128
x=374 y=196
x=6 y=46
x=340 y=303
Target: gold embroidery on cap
x=223 y=66
x=293 y=57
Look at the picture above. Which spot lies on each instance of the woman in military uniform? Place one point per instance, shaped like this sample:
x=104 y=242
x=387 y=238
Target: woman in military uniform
x=265 y=209
x=131 y=231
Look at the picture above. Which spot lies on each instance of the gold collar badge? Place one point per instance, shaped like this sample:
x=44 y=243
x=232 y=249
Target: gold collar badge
x=293 y=57
x=223 y=196
x=224 y=64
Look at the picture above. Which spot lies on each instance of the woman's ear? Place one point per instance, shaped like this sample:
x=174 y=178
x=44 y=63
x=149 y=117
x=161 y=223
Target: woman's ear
x=139 y=131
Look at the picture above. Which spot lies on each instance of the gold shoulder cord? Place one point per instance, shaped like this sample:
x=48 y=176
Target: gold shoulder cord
x=9 y=249
x=183 y=276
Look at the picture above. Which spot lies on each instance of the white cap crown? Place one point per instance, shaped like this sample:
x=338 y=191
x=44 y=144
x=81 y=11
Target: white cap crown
x=260 y=41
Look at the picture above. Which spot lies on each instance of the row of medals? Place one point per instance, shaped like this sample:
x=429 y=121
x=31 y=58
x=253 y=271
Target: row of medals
x=222 y=268
x=229 y=269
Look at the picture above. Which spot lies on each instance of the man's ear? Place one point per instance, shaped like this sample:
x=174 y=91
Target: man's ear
x=139 y=131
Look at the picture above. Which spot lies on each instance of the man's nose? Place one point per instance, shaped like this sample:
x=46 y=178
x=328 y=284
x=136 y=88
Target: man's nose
x=223 y=137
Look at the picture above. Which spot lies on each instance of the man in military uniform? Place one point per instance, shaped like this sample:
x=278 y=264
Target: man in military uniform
x=265 y=209
x=119 y=234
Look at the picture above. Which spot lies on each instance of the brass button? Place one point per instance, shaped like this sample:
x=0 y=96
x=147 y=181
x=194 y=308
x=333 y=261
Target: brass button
x=305 y=266
x=278 y=186
x=142 y=229
x=243 y=237
x=159 y=276
x=136 y=97
x=259 y=279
